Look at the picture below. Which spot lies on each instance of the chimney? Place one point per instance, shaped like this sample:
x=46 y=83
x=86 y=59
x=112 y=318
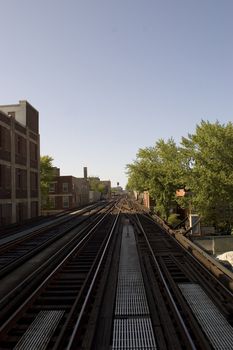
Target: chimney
x=85 y=172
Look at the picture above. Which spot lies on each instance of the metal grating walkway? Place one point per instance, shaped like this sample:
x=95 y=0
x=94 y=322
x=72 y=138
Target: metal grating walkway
x=41 y=330
x=132 y=327
x=213 y=323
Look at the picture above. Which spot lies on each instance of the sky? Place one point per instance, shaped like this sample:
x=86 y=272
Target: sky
x=109 y=77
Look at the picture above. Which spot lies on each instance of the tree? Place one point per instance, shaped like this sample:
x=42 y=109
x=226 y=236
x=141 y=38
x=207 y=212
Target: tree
x=96 y=185
x=209 y=153
x=46 y=175
x=202 y=165
x=157 y=169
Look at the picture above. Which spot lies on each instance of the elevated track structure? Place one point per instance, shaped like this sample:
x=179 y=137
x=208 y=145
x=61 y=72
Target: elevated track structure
x=120 y=279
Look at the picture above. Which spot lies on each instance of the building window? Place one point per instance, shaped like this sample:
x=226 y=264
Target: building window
x=65 y=186
x=65 y=202
x=35 y=150
x=52 y=202
x=52 y=187
x=8 y=177
x=19 y=145
x=18 y=178
x=34 y=181
x=1 y=136
x=1 y=182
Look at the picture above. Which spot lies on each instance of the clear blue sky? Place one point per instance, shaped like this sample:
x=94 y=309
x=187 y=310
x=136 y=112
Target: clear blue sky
x=111 y=76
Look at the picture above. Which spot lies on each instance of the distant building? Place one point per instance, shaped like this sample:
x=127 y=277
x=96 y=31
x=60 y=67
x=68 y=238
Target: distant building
x=66 y=192
x=94 y=196
x=19 y=163
x=117 y=191
x=106 y=194
x=99 y=189
x=102 y=190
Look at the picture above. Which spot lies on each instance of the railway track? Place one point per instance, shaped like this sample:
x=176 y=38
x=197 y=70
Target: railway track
x=19 y=250
x=9 y=230
x=189 y=308
x=60 y=302
x=188 y=302
x=124 y=283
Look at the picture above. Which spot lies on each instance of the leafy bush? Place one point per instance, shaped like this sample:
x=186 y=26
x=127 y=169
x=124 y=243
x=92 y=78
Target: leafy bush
x=173 y=219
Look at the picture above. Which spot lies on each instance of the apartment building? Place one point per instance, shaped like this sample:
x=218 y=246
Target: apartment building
x=19 y=163
x=66 y=192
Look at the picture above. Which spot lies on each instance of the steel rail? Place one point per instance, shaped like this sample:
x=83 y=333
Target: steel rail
x=6 y=326
x=49 y=238
x=87 y=297
x=185 y=330
x=195 y=258
x=53 y=223
x=34 y=275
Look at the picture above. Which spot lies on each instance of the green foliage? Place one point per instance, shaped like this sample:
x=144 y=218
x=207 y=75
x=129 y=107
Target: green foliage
x=46 y=175
x=96 y=185
x=202 y=164
x=157 y=169
x=101 y=188
x=210 y=174
x=173 y=219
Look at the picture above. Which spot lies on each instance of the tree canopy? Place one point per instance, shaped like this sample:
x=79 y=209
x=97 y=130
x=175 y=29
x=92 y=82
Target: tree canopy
x=158 y=170
x=202 y=164
x=210 y=176
x=96 y=185
x=46 y=175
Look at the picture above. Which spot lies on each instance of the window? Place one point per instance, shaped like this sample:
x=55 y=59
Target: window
x=65 y=202
x=1 y=136
x=18 y=145
x=35 y=150
x=52 y=187
x=34 y=181
x=52 y=202
x=18 y=178
x=1 y=182
x=65 y=186
x=8 y=177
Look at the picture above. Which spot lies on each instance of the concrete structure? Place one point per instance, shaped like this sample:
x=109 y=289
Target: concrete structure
x=19 y=163
x=215 y=245
x=66 y=192
x=148 y=202
x=94 y=196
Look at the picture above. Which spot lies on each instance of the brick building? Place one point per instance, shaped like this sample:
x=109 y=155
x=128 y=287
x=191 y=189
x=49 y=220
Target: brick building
x=66 y=192
x=106 y=194
x=99 y=189
x=19 y=163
